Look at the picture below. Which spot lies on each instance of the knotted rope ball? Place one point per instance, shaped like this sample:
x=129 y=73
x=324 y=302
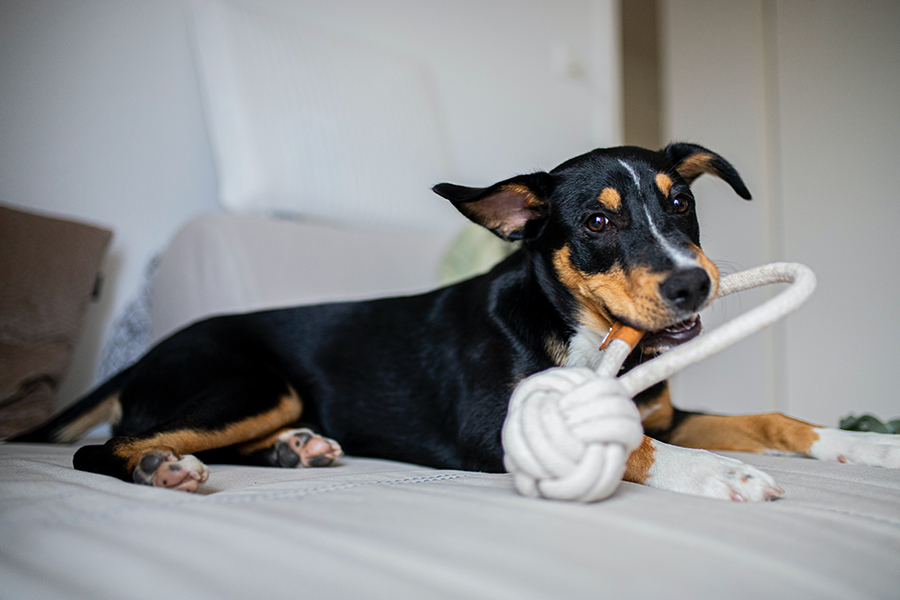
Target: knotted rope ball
x=569 y=431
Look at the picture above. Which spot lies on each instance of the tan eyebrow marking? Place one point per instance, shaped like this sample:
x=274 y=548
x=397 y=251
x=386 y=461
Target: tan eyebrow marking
x=664 y=183
x=610 y=198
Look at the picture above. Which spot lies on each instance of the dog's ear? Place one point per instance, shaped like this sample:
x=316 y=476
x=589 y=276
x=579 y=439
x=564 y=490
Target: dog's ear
x=691 y=161
x=514 y=209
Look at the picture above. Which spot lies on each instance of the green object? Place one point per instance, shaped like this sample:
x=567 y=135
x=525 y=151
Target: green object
x=474 y=251
x=869 y=423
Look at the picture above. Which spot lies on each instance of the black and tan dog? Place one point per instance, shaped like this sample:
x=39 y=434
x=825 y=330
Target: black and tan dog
x=611 y=235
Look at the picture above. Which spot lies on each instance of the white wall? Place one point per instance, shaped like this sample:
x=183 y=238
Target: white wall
x=100 y=120
x=839 y=100
x=100 y=116
x=802 y=96
x=714 y=102
x=509 y=104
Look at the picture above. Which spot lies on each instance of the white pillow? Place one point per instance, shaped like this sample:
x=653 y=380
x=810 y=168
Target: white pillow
x=311 y=125
x=222 y=263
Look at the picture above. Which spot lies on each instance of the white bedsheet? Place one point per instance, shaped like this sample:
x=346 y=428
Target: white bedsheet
x=380 y=529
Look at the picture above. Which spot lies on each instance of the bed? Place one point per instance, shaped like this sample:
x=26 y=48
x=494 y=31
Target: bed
x=372 y=528
x=379 y=529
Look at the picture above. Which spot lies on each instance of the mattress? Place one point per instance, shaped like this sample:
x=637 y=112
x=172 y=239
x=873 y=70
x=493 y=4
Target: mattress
x=380 y=529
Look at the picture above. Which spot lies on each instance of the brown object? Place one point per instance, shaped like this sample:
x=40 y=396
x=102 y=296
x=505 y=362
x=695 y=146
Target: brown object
x=48 y=272
x=620 y=331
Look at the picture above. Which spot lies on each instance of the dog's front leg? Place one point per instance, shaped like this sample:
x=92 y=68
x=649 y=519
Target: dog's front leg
x=857 y=448
x=698 y=472
x=775 y=433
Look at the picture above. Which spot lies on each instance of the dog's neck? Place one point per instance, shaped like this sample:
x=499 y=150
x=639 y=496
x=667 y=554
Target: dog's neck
x=580 y=338
x=580 y=344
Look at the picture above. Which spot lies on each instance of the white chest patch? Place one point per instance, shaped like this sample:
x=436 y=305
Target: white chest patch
x=584 y=349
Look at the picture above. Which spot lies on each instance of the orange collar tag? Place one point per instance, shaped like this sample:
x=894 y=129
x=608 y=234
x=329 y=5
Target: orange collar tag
x=620 y=331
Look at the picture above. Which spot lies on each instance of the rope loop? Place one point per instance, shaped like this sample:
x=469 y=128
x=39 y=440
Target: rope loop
x=569 y=431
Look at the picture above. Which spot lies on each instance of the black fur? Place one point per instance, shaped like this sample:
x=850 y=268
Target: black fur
x=427 y=378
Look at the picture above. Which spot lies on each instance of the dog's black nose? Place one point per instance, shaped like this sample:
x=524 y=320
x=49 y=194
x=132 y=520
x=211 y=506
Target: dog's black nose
x=687 y=290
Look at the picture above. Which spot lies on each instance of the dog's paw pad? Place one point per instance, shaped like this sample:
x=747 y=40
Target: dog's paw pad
x=302 y=447
x=168 y=470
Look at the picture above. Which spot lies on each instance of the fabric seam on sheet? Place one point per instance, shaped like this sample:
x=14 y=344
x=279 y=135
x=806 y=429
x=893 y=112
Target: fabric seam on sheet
x=241 y=498
x=216 y=498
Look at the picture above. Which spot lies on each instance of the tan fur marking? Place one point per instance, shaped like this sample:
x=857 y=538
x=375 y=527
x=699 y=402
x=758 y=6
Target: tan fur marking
x=696 y=164
x=189 y=441
x=711 y=269
x=746 y=433
x=664 y=183
x=109 y=410
x=517 y=188
x=656 y=415
x=637 y=469
x=267 y=441
x=633 y=296
x=499 y=214
x=610 y=198
x=595 y=321
x=557 y=349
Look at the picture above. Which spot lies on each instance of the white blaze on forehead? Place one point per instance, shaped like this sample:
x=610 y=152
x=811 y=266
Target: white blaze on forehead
x=681 y=257
x=632 y=172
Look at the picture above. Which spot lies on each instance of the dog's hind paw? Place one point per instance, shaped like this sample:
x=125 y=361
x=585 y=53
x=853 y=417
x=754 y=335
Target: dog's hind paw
x=168 y=470
x=857 y=448
x=303 y=447
x=702 y=473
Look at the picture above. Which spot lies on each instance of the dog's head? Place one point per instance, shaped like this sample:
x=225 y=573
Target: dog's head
x=618 y=230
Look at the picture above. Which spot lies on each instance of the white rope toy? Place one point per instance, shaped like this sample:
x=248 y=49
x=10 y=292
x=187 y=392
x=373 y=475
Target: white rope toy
x=569 y=431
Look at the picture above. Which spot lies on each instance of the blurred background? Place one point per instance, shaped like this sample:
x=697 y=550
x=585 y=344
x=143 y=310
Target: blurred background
x=139 y=115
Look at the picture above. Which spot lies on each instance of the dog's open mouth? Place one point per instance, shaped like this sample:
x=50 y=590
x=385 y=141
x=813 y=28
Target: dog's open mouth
x=673 y=335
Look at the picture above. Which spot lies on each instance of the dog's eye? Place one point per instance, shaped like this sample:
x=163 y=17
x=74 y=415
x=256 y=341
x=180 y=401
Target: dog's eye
x=597 y=222
x=680 y=204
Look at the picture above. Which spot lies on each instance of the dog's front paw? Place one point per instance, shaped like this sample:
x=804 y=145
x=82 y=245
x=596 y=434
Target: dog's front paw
x=703 y=473
x=303 y=447
x=166 y=469
x=857 y=447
